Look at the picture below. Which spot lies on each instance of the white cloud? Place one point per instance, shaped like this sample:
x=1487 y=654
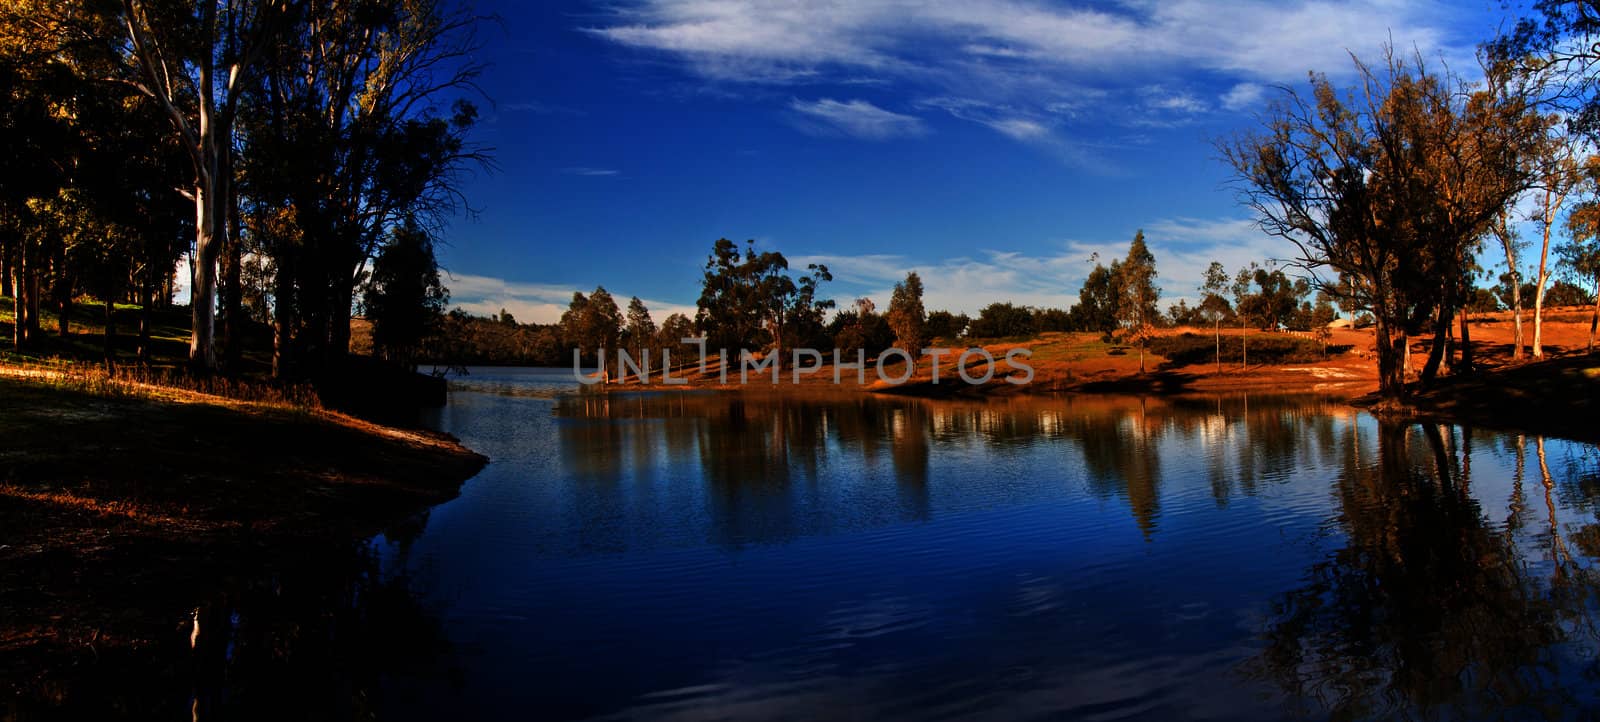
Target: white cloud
x=855 y=118
x=1244 y=96
x=788 y=40
x=1020 y=128
x=1184 y=248
x=1160 y=98
x=956 y=284
x=535 y=302
x=1026 y=68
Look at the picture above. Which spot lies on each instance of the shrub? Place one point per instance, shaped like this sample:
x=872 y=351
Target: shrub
x=1187 y=349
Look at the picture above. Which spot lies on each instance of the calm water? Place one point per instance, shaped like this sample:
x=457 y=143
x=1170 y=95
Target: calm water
x=691 y=556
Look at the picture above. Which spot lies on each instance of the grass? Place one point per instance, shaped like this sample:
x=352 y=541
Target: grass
x=85 y=341
x=1188 y=349
x=123 y=503
x=126 y=495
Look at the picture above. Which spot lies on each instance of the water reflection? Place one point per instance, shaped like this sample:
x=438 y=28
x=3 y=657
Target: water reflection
x=1428 y=605
x=762 y=456
x=690 y=555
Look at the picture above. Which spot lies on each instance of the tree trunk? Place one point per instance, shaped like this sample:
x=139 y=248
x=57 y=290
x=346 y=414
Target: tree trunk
x=33 y=291
x=147 y=291
x=203 y=279
x=1219 y=344
x=63 y=294
x=339 y=322
x=1594 y=319
x=111 y=334
x=1538 y=290
x=282 y=303
x=1390 y=347
x=19 y=301
x=1467 y=360
x=5 y=266
x=1441 y=343
x=232 y=293
x=1405 y=355
x=1516 y=307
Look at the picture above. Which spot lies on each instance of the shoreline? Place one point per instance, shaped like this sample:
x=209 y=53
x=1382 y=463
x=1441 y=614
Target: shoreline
x=129 y=505
x=1558 y=396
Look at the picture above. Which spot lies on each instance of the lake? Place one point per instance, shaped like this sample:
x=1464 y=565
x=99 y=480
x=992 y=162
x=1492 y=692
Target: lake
x=700 y=555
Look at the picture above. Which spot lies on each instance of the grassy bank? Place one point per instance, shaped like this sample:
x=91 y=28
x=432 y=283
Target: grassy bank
x=1555 y=397
x=125 y=502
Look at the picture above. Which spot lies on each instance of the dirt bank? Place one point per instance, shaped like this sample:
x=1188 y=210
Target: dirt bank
x=123 y=506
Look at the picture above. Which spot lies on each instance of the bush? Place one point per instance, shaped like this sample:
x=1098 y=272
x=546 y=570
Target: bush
x=1003 y=320
x=1188 y=349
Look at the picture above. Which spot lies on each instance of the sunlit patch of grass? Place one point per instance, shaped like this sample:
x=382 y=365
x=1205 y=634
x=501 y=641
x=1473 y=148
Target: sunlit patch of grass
x=141 y=514
x=159 y=383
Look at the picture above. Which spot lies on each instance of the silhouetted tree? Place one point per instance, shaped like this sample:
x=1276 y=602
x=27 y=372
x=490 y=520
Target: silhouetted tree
x=404 y=299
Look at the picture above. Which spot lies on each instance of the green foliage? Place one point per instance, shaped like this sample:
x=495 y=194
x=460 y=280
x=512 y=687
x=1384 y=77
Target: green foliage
x=1047 y=320
x=639 y=335
x=1136 y=289
x=861 y=328
x=1189 y=349
x=1214 y=306
x=592 y=323
x=464 y=340
x=906 y=317
x=1182 y=314
x=1003 y=320
x=1276 y=301
x=1483 y=300
x=752 y=302
x=946 y=325
x=1389 y=187
x=1098 y=300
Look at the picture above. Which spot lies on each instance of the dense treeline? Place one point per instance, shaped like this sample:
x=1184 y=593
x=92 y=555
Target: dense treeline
x=300 y=156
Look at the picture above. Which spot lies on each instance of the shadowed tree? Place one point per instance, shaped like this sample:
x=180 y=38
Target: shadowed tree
x=404 y=299
x=195 y=61
x=358 y=123
x=640 y=333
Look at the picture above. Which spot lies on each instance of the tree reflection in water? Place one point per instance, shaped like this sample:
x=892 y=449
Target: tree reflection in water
x=323 y=632
x=1082 y=555
x=1425 y=607
x=1429 y=610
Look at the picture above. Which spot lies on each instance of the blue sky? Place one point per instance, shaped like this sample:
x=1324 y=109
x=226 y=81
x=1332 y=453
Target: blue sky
x=990 y=145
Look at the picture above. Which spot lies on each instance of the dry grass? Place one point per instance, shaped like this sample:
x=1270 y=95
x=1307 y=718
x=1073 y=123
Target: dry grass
x=161 y=383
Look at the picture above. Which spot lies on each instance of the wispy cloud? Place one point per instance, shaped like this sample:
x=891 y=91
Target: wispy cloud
x=535 y=302
x=1031 y=69
x=854 y=118
x=591 y=172
x=1183 y=247
x=1254 y=40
